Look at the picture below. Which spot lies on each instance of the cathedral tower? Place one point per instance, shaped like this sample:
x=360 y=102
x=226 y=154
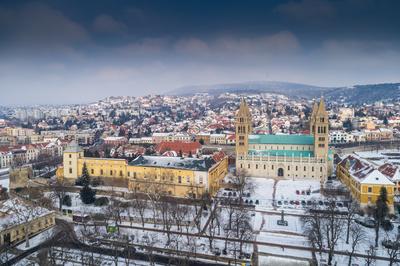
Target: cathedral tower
x=319 y=127
x=243 y=128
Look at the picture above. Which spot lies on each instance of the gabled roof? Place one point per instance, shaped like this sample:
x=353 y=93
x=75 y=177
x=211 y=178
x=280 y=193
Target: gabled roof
x=178 y=146
x=282 y=139
x=364 y=172
x=391 y=171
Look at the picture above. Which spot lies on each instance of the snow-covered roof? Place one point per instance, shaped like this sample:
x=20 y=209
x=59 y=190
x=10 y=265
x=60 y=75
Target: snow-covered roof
x=365 y=172
x=15 y=211
x=174 y=162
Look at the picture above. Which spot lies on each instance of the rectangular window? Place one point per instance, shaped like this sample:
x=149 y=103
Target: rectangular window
x=248 y=166
x=265 y=166
x=201 y=180
x=111 y=172
x=101 y=172
x=369 y=189
x=92 y=171
x=120 y=173
x=256 y=166
x=305 y=168
x=288 y=168
x=179 y=179
x=188 y=179
x=70 y=156
x=70 y=170
x=129 y=174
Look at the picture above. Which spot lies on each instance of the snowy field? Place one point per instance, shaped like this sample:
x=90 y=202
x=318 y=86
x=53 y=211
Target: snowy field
x=279 y=261
x=263 y=191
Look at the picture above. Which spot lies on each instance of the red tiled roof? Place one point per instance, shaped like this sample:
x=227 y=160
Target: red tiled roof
x=388 y=169
x=177 y=146
x=218 y=156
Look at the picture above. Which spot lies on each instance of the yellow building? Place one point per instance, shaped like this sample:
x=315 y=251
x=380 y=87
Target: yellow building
x=174 y=175
x=364 y=180
x=13 y=225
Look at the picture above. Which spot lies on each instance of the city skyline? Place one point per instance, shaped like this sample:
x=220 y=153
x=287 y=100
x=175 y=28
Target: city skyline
x=68 y=52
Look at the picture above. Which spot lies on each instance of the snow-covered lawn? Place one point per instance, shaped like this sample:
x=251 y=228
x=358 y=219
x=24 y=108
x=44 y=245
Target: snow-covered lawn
x=263 y=190
x=280 y=261
x=37 y=239
x=294 y=224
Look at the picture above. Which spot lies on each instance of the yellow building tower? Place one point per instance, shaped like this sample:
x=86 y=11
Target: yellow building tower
x=243 y=129
x=72 y=154
x=319 y=126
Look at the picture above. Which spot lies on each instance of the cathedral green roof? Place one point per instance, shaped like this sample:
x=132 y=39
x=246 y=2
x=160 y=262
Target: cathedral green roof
x=282 y=139
x=286 y=153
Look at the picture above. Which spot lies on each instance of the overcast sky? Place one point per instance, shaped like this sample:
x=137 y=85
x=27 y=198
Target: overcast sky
x=80 y=51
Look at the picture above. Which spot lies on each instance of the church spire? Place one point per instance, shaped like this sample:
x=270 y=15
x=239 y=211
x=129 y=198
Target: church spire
x=243 y=128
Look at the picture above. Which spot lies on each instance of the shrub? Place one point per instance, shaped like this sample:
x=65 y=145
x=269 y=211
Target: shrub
x=67 y=200
x=88 y=195
x=102 y=201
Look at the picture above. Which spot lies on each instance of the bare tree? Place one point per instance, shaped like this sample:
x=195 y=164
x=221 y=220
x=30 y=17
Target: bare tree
x=149 y=243
x=241 y=183
x=313 y=227
x=332 y=228
x=213 y=223
x=58 y=189
x=358 y=236
x=114 y=211
x=324 y=227
x=370 y=258
x=140 y=207
x=352 y=211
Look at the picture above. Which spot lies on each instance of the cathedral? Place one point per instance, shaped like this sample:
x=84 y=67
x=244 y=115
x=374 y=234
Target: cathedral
x=284 y=156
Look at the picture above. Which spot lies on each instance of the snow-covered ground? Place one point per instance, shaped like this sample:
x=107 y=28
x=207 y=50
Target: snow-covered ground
x=5 y=181
x=37 y=239
x=380 y=157
x=280 y=261
x=263 y=191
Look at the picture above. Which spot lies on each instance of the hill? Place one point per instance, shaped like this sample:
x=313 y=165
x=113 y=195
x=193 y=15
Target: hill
x=358 y=94
x=286 y=88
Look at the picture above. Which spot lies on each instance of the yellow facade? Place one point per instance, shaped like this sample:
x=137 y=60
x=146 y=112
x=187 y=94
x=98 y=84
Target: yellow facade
x=365 y=193
x=174 y=181
x=16 y=233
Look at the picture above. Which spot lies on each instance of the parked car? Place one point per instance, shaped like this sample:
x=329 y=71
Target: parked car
x=217 y=251
x=367 y=222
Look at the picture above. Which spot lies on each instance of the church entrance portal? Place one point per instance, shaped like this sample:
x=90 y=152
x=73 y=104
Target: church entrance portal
x=280 y=172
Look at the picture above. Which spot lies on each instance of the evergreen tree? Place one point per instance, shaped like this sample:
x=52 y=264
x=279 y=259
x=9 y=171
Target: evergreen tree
x=381 y=210
x=67 y=201
x=385 y=121
x=85 y=178
x=87 y=194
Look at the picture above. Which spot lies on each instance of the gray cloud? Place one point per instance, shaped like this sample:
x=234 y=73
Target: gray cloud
x=107 y=24
x=54 y=55
x=307 y=10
